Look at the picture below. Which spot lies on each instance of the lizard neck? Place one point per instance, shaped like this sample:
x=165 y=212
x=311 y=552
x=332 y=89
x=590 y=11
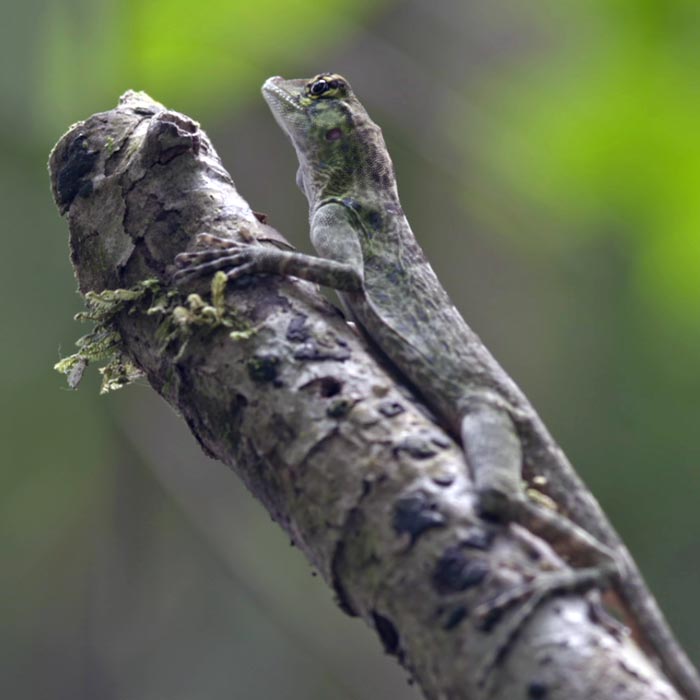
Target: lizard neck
x=377 y=214
x=359 y=169
x=375 y=192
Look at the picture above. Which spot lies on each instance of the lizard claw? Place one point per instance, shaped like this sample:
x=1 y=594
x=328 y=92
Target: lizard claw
x=218 y=254
x=210 y=261
x=196 y=257
x=210 y=239
x=240 y=271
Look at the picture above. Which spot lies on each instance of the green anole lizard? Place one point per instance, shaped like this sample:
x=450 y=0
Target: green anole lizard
x=370 y=256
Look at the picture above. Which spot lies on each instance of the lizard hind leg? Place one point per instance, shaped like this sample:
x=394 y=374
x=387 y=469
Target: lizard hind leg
x=494 y=455
x=530 y=596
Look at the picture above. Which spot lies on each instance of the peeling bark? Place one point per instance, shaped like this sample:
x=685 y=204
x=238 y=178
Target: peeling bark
x=364 y=481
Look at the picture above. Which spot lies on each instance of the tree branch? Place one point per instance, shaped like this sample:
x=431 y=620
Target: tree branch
x=374 y=493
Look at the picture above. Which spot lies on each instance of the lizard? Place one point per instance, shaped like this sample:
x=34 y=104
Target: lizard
x=369 y=255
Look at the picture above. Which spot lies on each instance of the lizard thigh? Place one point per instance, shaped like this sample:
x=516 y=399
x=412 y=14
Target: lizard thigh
x=494 y=455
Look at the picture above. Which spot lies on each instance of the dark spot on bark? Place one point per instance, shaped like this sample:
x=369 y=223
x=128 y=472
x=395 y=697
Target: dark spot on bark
x=387 y=632
x=375 y=220
x=491 y=618
x=417 y=446
x=455 y=617
x=366 y=488
x=444 y=481
x=341 y=596
x=329 y=386
x=455 y=571
x=297 y=330
x=326 y=387
x=416 y=513
x=478 y=538
x=236 y=411
x=339 y=408
x=534 y=555
x=78 y=163
x=263 y=368
x=390 y=408
x=537 y=690
x=440 y=440
x=267 y=304
x=313 y=351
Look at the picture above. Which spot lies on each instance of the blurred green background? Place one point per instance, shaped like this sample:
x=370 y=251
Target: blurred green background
x=548 y=156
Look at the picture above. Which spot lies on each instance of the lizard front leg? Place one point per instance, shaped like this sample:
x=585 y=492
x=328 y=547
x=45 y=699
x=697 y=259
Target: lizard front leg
x=332 y=233
x=241 y=259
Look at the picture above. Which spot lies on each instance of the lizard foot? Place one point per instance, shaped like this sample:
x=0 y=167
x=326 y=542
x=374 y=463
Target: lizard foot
x=531 y=595
x=234 y=258
x=215 y=247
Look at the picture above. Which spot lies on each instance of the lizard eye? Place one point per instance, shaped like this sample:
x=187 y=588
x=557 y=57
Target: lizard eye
x=318 y=87
x=334 y=134
x=327 y=86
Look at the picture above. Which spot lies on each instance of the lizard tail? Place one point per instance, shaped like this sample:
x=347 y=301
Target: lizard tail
x=655 y=631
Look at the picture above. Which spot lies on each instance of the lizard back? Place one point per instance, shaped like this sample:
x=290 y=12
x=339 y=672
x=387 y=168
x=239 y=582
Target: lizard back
x=407 y=312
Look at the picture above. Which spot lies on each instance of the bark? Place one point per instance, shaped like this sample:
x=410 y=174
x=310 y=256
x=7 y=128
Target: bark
x=370 y=488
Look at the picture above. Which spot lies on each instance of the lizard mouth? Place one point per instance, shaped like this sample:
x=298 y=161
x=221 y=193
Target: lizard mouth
x=272 y=90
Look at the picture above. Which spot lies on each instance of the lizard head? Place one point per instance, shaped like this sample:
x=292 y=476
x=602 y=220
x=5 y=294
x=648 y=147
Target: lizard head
x=340 y=149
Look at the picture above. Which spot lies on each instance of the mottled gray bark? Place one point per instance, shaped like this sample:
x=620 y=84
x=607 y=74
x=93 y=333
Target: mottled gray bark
x=374 y=493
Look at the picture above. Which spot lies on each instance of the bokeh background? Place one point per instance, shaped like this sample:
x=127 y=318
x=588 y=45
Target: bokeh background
x=548 y=156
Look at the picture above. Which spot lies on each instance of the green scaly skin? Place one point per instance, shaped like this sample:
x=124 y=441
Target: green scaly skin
x=369 y=254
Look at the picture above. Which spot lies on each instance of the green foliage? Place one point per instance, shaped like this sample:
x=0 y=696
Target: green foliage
x=600 y=132
x=192 y=56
